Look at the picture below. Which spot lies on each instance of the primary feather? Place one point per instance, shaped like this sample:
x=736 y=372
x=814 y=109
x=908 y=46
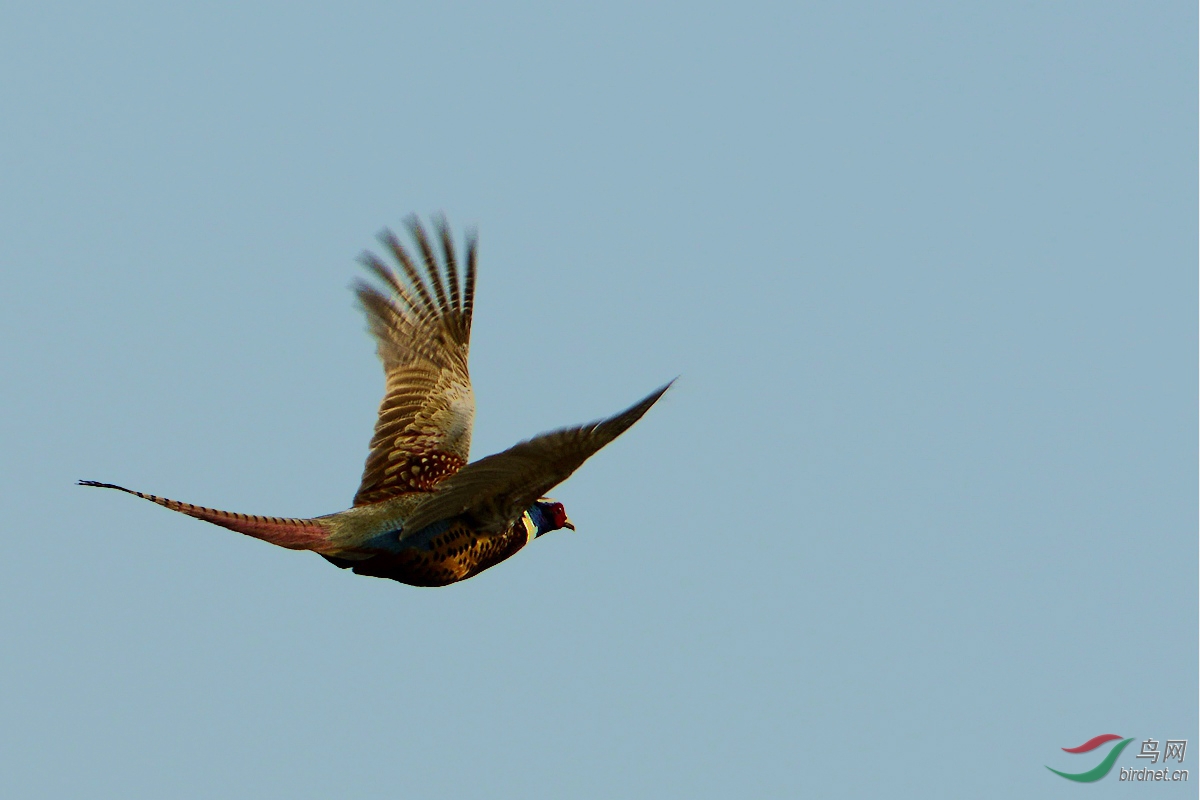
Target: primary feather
x=422 y=515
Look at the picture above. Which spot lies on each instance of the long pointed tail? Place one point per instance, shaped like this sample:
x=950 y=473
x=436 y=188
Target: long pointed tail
x=294 y=534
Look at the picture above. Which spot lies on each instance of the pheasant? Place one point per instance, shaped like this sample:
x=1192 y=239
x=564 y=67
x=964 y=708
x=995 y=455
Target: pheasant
x=422 y=515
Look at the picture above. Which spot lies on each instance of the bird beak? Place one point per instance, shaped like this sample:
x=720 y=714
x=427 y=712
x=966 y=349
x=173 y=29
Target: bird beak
x=568 y=524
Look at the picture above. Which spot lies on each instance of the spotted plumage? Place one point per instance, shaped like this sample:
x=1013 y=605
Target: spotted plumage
x=442 y=553
x=422 y=514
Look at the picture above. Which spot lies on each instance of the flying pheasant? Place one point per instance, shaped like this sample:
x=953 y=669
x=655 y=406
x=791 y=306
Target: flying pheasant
x=423 y=515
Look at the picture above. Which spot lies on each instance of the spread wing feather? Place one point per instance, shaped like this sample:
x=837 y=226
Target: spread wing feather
x=496 y=490
x=423 y=333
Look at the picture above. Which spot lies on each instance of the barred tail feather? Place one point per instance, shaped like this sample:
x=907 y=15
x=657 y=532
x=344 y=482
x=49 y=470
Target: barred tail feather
x=294 y=534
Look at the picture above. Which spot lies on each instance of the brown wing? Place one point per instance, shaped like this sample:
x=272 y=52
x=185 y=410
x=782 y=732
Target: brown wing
x=496 y=490
x=422 y=326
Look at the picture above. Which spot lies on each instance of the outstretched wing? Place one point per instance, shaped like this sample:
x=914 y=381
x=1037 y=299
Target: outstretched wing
x=422 y=325
x=498 y=489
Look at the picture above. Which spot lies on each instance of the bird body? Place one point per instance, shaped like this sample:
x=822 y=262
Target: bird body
x=423 y=515
x=441 y=553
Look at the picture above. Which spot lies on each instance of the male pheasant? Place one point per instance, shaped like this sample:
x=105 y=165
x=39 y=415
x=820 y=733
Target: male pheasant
x=423 y=515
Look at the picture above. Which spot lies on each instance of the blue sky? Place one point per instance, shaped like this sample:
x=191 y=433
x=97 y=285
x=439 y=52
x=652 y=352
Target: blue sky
x=919 y=512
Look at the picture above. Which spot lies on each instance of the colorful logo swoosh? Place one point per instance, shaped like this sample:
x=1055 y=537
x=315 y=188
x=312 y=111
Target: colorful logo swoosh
x=1101 y=769
x=1092 y=744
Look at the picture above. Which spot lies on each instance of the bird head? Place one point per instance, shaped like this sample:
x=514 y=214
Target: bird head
x=549 y=515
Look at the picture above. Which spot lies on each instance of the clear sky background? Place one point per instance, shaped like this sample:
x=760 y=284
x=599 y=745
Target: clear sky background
x=921 y=510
